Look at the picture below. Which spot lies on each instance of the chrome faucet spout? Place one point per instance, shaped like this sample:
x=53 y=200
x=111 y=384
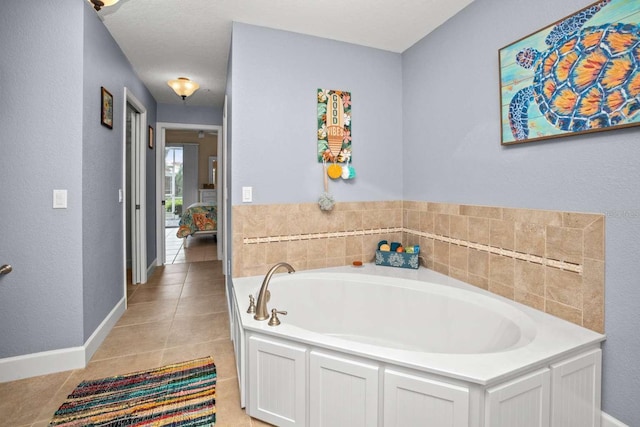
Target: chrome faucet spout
x=261 y=304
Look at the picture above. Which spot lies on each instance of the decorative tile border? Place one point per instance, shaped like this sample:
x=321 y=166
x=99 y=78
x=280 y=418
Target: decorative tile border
x=315 y=236
x=562 y=265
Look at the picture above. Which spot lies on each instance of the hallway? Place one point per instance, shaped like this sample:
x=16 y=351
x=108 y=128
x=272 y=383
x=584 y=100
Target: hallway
x=199 y=248
x=180 y=314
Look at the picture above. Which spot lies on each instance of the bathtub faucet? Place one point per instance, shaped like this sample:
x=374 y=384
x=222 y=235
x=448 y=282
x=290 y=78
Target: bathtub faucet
x=261 y=305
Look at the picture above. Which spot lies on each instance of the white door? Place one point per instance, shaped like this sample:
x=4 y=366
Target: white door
x=136 y=131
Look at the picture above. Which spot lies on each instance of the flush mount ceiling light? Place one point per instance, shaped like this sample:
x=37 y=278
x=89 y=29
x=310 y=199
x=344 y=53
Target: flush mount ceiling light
x=183 y=87
x=99 y=4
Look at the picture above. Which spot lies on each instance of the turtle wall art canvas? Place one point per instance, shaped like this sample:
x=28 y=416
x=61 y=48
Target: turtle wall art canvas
x=581 y=74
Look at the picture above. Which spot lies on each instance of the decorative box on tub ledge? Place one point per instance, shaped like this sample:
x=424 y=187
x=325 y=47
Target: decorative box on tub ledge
x=397 y=259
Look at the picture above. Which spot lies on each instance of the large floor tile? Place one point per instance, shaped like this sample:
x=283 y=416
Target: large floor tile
x=133 y=339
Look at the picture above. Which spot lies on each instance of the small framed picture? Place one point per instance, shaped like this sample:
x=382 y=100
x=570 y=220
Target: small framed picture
x=107 y=109
x=150 y=138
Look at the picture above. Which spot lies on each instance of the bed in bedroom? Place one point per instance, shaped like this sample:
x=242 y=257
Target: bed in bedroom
x=198 y=218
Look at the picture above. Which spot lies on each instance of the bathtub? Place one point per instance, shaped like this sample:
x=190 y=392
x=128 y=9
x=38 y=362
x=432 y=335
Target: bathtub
x=408 y=340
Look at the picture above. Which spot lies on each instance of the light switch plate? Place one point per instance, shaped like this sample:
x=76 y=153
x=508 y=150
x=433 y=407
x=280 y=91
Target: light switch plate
x=247 y=194
x=59 y=199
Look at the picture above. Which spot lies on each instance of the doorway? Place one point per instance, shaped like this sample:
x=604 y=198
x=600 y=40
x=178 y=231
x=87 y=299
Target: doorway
x=183 y=178
x=173 y=180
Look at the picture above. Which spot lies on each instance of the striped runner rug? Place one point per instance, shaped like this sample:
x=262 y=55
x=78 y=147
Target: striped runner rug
x=182 y=394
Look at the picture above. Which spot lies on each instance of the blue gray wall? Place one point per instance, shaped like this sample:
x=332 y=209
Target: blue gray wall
x=67 y=262
x=175 y=113
x=275 y=78
x=452 y=153
x=41 y=66
x=106 y=65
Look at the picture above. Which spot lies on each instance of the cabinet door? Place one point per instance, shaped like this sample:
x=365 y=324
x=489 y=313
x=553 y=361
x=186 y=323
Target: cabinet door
x=343 y=391
x=523 y=402
x=575 y=387
x=277 y=382
x=411 y=400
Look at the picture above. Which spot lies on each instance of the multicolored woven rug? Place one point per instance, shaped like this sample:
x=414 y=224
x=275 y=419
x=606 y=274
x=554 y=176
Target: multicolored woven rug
x=175 y=395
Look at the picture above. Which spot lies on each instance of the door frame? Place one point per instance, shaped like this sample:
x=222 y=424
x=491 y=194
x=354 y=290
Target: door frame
x=161 y=131
x=138 y=177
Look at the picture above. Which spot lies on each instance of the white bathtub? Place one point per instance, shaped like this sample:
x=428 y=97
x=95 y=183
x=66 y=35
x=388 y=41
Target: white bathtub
x=397 y=322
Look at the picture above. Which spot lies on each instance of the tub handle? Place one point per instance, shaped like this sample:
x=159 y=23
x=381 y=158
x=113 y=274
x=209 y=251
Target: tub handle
x=252 y=304
x=274 y=321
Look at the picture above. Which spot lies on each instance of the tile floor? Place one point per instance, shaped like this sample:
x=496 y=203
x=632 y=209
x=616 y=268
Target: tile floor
x=180 y=314
x=199 y=248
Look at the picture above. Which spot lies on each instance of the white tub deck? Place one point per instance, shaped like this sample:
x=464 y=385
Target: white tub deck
x=417 y=319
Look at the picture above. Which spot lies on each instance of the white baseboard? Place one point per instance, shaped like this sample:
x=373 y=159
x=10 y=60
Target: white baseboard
x=151 y=268
x=101 y=332
x=49 y=362
x=609 y=421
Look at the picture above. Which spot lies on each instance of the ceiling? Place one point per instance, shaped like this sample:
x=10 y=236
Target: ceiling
x=166 y=39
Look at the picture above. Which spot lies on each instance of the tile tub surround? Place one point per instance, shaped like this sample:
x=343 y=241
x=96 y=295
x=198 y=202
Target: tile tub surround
x=549 y=260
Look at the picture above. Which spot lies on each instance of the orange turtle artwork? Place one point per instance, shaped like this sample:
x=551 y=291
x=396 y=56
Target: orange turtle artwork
x=589 y=78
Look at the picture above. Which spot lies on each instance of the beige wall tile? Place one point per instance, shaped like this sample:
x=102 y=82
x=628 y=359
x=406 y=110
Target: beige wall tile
x=578 y=220
x=481 y=211
x=459 y=258
x=440 y=268
x=501 y=289
x=459 y=274
x=276 y=224
x=502 y=234
x=441 y=252
x=254 y=255
x=530 y=238
x=427 y=249
x=564 y=244
x=480 y=282
x=353 y=220
x=594 y=240
x=529 y=278
x=565 y=312
x=411 y=205
x=564 y=287
x=337 y=247
x=413 y=219
x=427 y=222
x=445 y=208
x=459 y=227
x=297 y=251
x=354 y=246
x=317 y=249
x=532 y=300
x=501 y=270
x=479 y=263
x=315 y=263
x=533 y=216
x=479 y=230
x=593 y=295
x=442 y=224
x=276 y=252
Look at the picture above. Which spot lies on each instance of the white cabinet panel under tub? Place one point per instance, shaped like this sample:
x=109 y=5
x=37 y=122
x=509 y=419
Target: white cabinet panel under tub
x=343 y=391
x=575 y=385
x=360 y=347
x=277 y=382
x=523 y=402
x=411 y=400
